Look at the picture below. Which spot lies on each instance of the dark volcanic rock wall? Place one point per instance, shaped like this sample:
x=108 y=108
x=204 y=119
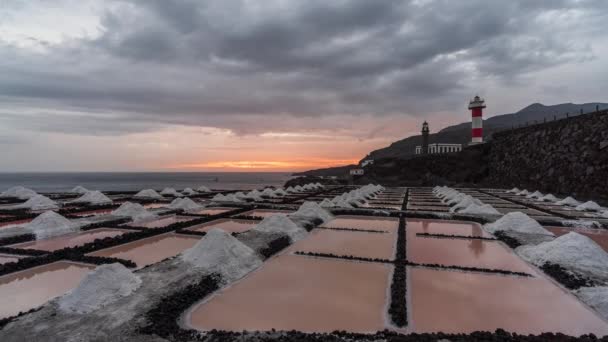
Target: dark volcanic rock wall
x=567 y=156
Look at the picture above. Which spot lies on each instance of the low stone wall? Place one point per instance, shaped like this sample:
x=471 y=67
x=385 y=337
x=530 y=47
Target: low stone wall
x=568 y=156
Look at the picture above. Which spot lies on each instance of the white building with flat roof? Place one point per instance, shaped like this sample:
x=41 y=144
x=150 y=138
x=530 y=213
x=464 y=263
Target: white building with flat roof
x=440 y=148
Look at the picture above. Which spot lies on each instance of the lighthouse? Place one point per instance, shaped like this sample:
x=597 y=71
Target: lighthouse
x=476 y=106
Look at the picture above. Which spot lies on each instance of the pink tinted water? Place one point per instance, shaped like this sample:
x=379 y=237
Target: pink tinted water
x=6 y=258
x=461 y=302
x=228 y=225
x=16 y=222
x=415 y=226
x=70 y=240
x=301 y=293
x=363 y=222
x=163 y=222
x=150 y=250
x=31 y=288
x=213 y=211
x=360 y=244
x=461 y=252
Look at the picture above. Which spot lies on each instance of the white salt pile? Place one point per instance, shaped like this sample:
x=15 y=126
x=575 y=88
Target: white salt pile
x=523 y=193
x=327 y=203
x=79 y=190
x=280 y=192
x=133 y=210
x=589 y=206
x=19 y=192
x=283 y=225
x=100 y=287
x=298 y=188
x=569 y=201
x=220 y=252
x=513 y=191
x=604 y=214
x=595 y=297
x=185 y=204
x=290 y=189
x=268 y=192
x=535 y=194
x=148 y=194
x=50 y=224
x=517 y=222
x=465 y=202
x=254 y=195
x=93 y=197
x=226 y=198
x=203 y=188
x=548 y=198
x=189 y=192
x=170 y=192
x=573 y=251
x=38 y=202
x=313 y=210
x=484 y=209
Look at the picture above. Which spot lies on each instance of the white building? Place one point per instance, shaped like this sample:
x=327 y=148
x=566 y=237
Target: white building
x=367 y=162
x=440 y=148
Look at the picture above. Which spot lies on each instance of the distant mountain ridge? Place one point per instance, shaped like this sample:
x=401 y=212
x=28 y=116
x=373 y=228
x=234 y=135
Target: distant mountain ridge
x=461 y=133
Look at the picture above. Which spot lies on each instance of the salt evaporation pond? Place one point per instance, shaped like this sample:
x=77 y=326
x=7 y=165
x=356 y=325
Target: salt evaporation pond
x=6 y=258
x=213 y=211
x=70 y=240
x=150 y=250
x=363 y=222
x=461 y=228
x=360 y=244
x=228 y=225
x=93 y=212
x=463 y=302
x=16 y=222
x=161 y=223
x=599 y=236
x=301 y=293
x=31 y=288
x=265 y=212
x=463 y=252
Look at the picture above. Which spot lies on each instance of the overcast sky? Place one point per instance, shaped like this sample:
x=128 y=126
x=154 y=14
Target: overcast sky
x=128 y=85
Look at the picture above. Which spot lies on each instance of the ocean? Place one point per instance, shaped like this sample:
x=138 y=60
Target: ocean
x=133 y=181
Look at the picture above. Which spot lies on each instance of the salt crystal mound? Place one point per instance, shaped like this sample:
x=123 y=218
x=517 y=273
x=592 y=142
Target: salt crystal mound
x=517 y=222
x=19 y=192
x=589 y=206
x=203 y=189
x=604 y=214
x=523 y=193
x=290 y=190
x=280 y=192
x=281 y=224
x=104 y=285
x=319 y=185
x=535 y=194
x=595 y=297
x=465 y=202
x=513 y=191
x=254 y=195
x=38 y=202
x=327 y=203
x=569 y=201
x=548 y=198
x=313 y=210
x=93 y=197
x=298 y=188
x=170 y=192
x=573 y=251
x=50 y=224
x=185 y=204
x=133 y=210
x=148 y=194
x=226 y=198
x=268 y=192
x=189 y=192
x=220 y=252
x=79 y=190
x=484 y=209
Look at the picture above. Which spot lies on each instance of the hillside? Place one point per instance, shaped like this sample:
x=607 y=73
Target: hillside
x=461 y=133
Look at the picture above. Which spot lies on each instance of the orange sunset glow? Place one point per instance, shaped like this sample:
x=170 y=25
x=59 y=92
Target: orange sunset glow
x=258 y=165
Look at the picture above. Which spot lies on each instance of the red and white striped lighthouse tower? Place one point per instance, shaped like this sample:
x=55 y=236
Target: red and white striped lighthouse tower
x=476 y=106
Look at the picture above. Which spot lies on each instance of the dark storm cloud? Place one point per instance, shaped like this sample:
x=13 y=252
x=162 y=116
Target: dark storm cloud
x=216 y=63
